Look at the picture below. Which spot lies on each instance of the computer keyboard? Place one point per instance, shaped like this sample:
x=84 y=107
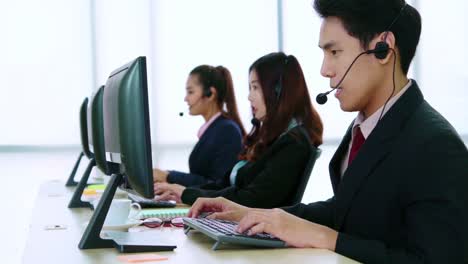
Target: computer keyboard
x=150 y=203
x=224 y=232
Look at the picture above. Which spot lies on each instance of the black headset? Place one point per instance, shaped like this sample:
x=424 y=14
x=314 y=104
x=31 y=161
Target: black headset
x=207 y=89
x=207 y=92
x=279 y=85
x=381 y=48
x=278 y=89
x=380 y=52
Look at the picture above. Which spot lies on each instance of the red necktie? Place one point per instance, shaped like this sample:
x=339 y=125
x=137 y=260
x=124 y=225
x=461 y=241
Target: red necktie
x=358 y=140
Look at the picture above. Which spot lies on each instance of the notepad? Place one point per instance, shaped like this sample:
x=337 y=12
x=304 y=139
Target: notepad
x=96 y=187
x=164 y=213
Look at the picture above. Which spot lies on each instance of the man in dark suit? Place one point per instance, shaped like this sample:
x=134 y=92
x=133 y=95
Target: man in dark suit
x=400 y=174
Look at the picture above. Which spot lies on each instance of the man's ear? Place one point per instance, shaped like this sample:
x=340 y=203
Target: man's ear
x=389 y=38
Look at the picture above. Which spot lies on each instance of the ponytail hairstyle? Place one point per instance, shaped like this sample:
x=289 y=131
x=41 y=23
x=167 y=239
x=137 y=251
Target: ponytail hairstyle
x=220 y=79
x=286 y=97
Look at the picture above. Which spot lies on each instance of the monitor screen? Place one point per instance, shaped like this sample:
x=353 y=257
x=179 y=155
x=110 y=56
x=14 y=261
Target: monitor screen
x=97 y=134
x=126 y=125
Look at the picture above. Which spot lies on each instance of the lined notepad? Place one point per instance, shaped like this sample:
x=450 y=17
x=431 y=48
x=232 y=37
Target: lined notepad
x=164 y=213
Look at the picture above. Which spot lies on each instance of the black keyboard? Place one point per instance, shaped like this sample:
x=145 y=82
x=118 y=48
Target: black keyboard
x=150 y=203
x=224 y=232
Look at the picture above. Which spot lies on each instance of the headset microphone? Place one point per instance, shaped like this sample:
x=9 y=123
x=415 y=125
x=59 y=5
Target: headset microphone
x=322 y=97
x=380 y=51
x=255 y=122
x=196 y=102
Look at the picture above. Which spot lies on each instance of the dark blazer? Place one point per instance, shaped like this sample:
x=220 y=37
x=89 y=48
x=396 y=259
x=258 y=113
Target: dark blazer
x=214 y=154
x=404 y=197
x=269 y=182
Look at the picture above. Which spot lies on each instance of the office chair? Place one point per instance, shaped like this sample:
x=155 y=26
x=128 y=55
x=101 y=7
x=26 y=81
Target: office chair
x=314 y=155
x=84 y=143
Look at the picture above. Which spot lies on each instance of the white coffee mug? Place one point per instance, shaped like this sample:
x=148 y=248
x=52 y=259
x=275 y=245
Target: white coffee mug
x=119 y=212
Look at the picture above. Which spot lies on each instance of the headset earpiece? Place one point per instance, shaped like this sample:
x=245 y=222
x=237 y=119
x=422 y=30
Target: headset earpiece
x=380 y=51
x=279 y=84
x=207 y=93
x=278 y=89
x=381 y=48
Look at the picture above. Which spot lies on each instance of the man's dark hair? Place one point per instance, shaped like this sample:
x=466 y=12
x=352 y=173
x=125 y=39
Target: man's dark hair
x=365 y=19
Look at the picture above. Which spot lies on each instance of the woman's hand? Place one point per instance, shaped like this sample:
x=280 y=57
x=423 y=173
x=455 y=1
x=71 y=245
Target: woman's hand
x=160 y=175
x=166 y=191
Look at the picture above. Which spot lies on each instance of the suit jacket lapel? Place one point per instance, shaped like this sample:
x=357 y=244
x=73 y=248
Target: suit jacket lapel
x=335 y=164
x=375 y=149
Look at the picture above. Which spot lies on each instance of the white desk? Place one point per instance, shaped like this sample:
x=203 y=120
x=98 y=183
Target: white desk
x=61 y=246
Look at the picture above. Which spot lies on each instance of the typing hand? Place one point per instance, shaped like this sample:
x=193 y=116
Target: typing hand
x=220 y=207
x=295 y=231
x=166 y=191
x=160 y=175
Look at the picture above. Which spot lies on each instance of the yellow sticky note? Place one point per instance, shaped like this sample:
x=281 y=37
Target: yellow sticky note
x=135 y=258
x=89 y=192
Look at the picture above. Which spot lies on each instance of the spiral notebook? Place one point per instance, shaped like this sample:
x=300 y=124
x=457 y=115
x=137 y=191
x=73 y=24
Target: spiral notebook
x=164 y=213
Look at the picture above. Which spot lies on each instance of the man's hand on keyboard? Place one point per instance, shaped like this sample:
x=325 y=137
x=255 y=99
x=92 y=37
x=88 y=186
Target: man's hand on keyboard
x=295 y=231
x=220 y=207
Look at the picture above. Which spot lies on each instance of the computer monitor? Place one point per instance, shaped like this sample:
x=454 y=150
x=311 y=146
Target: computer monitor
x=127 y=126
x=86 y=126
x=84 y=142
x=87 y=130
x=122 y=147
x=98 y=135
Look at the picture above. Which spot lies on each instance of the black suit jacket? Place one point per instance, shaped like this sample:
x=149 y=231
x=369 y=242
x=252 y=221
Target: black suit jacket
x=269 y=182
x=214 y=154
x=404 y=197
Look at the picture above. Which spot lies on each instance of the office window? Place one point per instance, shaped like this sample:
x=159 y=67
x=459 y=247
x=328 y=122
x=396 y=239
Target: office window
x=45 y=70
x=190 y=33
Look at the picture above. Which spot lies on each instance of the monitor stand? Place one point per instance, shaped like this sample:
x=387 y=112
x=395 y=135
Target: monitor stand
x=123 y=241
x=75 y=201
x=71 y=179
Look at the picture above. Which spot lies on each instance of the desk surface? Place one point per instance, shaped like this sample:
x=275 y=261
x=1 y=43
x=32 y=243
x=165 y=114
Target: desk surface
x=61 y=246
